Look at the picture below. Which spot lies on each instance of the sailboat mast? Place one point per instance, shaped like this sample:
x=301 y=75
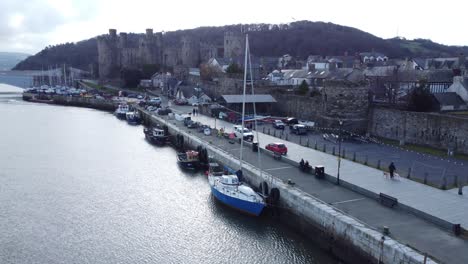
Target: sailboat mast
x=243 y=97
x=259 y=158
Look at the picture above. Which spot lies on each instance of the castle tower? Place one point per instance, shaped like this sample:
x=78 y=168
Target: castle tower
x=108 y=55
x=150 y=48
x=190 y=51
x=234 y=45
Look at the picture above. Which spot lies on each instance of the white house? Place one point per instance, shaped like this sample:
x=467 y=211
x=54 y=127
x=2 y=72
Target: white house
x=372 y=56
x=460 y=86
x=219 y=63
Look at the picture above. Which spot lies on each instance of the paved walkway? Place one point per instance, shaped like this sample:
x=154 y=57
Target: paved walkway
x=404 y=226
x=445 y=205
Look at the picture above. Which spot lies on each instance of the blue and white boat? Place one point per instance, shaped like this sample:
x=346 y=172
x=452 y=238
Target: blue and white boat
x=228 y=190
x=133 y=118
x=121 y=111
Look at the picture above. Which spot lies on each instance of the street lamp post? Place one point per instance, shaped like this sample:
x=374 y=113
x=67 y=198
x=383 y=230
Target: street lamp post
x=339 y=154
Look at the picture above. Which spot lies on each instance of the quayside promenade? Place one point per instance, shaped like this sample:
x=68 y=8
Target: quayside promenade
x=423 y=218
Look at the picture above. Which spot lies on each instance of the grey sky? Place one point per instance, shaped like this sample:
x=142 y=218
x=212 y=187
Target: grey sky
x=29 y=26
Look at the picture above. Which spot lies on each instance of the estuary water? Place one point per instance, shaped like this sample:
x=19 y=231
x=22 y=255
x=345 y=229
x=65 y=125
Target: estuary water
x=80 y=186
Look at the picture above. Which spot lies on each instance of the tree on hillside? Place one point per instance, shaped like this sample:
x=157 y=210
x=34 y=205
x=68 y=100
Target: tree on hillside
x=303 y=88
x=208 y=72
x=420 y=98
x=234 y=68
x=131 y=77
x=149 y=69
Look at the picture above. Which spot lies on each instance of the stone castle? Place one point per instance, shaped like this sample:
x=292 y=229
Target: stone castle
x=117 y=52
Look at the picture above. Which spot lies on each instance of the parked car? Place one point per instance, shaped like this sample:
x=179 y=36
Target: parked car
x=246 y=134
x=279 y=124
x=278 y=148
x=299 y=129
x=187 y=120
x=291 y=121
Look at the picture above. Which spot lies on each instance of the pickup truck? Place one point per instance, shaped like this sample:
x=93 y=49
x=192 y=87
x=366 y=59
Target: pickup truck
x=246 y=134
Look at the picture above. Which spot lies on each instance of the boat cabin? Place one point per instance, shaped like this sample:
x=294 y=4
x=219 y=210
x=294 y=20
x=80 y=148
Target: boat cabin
x=229 y=180
x=192 y=155
x=216 y=169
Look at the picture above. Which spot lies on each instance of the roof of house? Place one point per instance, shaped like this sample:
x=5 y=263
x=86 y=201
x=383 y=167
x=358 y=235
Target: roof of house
x=449 y=98
x=379 y=71
x=249 y=98
x=375 y=54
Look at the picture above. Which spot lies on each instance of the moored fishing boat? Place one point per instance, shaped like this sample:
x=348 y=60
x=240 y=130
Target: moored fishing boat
x=133 y=117
x=121 y=111
x=156 y=135
x=188 y=160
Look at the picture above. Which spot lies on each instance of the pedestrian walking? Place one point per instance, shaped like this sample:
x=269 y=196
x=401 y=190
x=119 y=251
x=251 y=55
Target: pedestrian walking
x=193 y=111
x=391 y=169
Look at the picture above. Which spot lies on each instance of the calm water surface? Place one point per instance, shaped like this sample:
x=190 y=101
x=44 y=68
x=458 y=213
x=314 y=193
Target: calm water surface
x=79 y=186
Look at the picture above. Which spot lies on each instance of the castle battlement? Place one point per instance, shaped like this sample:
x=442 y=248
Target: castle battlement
x=117 y=52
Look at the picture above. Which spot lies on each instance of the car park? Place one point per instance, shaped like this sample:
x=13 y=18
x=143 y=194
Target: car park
x=278 y=148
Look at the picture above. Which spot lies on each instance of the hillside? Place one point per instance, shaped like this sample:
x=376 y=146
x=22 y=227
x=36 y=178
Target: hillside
x=8 y=60
x=79 y=55
x=299 y=39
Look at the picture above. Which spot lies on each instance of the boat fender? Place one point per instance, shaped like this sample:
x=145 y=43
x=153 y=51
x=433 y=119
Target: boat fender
x=264 y=188
x=239 y=175
x=274 y=196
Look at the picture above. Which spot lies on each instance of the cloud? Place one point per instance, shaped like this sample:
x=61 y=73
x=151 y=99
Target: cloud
x=25 y=26
x=29 y=26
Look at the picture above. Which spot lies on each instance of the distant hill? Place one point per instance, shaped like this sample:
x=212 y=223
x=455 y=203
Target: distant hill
x=79 y=55
x=299 y=39
x=8 y=60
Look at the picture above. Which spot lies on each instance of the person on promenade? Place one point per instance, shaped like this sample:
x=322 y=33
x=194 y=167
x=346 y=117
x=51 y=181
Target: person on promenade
x=391 y=169
x=301 y=164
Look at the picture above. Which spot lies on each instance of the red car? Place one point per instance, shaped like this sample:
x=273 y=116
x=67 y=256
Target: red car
x=279 y=148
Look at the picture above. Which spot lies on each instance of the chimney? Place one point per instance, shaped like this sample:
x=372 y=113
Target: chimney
x=311 y=67
x=461 y=61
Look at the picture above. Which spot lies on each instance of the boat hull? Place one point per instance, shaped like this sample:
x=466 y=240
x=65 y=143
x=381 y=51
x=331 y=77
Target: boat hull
x=160 y=141
x=188 y=165
x=247 y=207
x=134 y=121
x=122 y=116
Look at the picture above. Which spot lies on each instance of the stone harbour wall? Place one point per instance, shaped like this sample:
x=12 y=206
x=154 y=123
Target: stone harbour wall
x=441 y=131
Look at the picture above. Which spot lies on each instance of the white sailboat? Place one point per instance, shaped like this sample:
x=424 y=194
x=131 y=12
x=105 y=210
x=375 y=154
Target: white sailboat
x=227 y=188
